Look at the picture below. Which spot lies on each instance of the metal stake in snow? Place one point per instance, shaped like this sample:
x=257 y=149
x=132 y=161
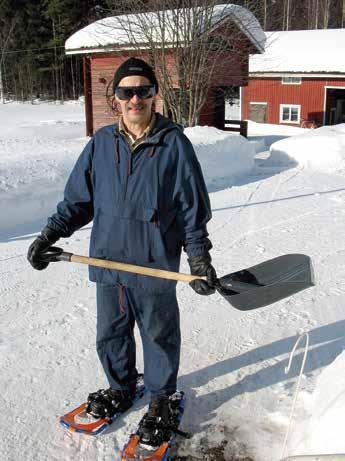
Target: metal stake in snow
x=287 y=369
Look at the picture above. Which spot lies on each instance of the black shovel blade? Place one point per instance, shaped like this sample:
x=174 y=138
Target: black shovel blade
x=267 y=282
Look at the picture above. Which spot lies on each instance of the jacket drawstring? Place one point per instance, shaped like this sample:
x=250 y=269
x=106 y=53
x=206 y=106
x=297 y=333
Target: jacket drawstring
x=152 y=151
x=117 y=151
x=121 y=296
x=129 y=169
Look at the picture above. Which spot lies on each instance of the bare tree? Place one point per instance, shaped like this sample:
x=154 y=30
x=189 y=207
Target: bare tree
x=317 y=12
x=188 y=44
x=286 y=16
x=6 y=30
x=264 y=16
x=325 y=8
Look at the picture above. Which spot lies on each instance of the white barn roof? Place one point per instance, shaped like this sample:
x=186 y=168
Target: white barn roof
x=107 y=34
x=302 y=51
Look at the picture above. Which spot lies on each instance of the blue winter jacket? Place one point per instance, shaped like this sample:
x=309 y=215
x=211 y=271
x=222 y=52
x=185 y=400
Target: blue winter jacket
x=145 y=205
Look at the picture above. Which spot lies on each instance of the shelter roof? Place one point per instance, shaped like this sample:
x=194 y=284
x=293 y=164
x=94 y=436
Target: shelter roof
x=109 y=33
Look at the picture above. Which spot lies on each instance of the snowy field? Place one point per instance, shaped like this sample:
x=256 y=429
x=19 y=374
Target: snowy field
x=282 y=192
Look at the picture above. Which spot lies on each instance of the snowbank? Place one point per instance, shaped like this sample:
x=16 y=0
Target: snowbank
x=322 y=149
x=222 y=155
x=323 y=432
x=263 y=135
x=40 y=144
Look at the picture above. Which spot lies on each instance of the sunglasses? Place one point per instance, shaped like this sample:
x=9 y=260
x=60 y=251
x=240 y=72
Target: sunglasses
x=127 y=92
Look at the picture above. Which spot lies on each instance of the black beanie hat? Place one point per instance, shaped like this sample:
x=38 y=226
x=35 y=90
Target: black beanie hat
x=134 y=66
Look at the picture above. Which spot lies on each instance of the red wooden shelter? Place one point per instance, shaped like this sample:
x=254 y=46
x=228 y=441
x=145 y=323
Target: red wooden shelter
x=104 y=48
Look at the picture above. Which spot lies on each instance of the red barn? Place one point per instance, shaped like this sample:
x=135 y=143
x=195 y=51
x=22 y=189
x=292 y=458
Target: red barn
x=104 y=45
x=299 y=80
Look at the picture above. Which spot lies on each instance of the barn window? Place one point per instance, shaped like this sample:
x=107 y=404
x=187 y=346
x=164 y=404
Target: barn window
x=291 y=80
x=290 y=113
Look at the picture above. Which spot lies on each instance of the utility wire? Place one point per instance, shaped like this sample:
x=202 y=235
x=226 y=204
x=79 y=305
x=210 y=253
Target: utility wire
x=34 y=49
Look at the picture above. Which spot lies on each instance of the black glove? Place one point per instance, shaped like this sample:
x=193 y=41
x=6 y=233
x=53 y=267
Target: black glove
x=201 y=265
x=42 y=243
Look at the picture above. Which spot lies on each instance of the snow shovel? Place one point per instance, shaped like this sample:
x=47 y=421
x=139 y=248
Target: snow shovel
x=247 y=289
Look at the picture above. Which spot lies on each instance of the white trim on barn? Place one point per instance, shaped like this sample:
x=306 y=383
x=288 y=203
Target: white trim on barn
x=241 y=102
x=290 y=106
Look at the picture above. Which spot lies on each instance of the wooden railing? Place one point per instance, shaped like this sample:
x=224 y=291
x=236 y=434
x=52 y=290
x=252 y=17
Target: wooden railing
x=241 y=126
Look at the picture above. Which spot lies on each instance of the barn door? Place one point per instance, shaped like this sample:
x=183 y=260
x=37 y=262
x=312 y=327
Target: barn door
x=258 y=112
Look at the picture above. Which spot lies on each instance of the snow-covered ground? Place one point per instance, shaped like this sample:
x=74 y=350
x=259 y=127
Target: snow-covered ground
x=232 y=366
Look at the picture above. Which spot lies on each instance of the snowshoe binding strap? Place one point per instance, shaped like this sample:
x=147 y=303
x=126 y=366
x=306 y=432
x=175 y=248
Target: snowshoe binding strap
x=107 y=402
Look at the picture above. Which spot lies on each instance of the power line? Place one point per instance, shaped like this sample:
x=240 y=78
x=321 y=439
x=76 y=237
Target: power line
x=33 y=49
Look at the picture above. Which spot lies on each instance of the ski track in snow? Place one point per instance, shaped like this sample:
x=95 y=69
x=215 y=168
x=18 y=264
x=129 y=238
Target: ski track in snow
x=232 y=363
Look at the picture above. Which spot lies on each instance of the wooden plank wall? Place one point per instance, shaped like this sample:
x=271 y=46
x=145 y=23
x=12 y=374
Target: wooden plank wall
x=309 y=94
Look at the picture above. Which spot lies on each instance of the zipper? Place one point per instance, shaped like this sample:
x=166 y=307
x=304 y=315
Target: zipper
x=130 y=158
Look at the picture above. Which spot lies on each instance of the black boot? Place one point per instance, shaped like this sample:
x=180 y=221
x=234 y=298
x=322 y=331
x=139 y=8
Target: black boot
x=162 y=420
x=108 y=402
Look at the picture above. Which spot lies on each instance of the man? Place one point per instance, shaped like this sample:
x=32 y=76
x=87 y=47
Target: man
x=141 y=184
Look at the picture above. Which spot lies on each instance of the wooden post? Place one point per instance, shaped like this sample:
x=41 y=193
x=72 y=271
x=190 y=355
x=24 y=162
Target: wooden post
x=244 y=128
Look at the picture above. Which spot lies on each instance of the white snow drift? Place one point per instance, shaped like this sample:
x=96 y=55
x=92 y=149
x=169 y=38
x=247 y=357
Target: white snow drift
x=38 y=155
x=321 y=149
x=222 y=155
x=323 y=431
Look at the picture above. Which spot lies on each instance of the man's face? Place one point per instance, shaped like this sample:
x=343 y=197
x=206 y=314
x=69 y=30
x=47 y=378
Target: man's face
x=135 y=110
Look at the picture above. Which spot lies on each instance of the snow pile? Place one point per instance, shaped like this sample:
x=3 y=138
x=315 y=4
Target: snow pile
x=313 y=435
x=301 y=51
x=322 y=149
x=268 y=129
x=39 y=145
x=222 y=155
x=39 y=149
x=263 y=135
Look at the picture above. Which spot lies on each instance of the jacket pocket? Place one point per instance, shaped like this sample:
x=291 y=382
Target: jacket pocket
x=128 y=232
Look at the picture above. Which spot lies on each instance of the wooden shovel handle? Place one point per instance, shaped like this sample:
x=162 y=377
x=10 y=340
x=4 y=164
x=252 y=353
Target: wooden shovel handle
x=163 y=274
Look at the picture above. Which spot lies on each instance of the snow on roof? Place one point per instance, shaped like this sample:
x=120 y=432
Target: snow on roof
x=109 y=33
x=302 y=51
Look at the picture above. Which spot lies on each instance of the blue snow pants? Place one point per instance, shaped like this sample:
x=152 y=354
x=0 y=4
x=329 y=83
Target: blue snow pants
x=158 y=320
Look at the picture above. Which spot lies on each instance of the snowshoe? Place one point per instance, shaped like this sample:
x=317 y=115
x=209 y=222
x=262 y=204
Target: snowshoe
x=157 y=430
x=101 y=409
